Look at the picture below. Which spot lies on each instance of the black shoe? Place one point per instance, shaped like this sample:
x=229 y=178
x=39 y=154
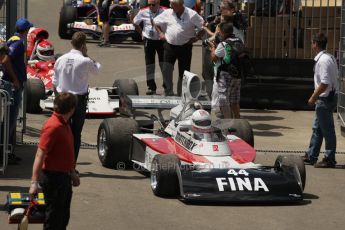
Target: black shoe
x=168 y=94
x=307 y=159
x=13 y=159
x=325 y=163
x=151 y=92
x=104 y=44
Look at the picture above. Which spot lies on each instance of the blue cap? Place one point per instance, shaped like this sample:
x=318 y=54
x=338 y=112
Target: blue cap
x=23 y=24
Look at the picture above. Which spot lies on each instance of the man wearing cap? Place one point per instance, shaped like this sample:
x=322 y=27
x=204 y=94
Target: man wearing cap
x=177 y=27
x=15 y=72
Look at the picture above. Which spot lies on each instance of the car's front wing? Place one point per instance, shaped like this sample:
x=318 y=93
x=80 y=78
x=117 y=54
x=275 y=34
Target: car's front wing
x=241 y=185
x=94 y=30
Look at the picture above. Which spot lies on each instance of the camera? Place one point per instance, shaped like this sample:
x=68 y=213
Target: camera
x=205 y=43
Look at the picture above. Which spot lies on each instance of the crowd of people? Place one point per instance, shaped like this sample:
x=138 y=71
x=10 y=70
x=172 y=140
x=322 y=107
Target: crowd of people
x=169 y=32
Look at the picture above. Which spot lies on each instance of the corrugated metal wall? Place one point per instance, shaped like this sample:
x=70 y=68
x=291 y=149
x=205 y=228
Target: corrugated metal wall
x=283 y=28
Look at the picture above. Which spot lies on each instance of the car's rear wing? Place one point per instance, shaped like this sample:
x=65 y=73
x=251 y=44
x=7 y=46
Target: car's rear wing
x=129 y=103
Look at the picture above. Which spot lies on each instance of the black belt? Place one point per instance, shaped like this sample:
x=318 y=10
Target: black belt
x=57 y=173
x=82 y=95
x=155 y=40
x=186 y=44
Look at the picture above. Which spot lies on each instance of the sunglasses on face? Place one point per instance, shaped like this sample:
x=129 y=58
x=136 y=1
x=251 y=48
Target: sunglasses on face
x=151 y=4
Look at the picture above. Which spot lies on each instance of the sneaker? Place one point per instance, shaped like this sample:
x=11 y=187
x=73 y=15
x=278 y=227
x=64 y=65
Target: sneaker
x=325 y=163
x=151 y=92
x=306 y=159
x=104 y=44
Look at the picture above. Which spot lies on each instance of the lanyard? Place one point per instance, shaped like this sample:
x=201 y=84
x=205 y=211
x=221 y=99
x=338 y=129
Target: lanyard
x=152 y=16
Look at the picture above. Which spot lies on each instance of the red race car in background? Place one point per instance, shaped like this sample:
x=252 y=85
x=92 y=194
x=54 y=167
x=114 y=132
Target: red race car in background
x=40 y=68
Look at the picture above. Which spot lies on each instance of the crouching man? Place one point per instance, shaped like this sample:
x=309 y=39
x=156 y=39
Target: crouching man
x=54 y=165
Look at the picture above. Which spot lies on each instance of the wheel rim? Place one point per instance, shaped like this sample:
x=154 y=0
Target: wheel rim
x=154 y=170
x=102 y=146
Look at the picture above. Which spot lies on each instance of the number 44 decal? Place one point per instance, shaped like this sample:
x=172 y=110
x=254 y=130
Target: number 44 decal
x=240 y=172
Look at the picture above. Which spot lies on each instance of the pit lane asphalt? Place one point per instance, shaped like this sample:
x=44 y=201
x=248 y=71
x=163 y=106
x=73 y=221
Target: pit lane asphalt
x=117 y=199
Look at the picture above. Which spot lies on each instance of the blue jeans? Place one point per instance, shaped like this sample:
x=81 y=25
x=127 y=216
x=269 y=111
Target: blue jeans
x=323 y=128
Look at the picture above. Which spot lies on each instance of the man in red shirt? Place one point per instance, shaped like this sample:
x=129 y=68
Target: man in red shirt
x=54 y=165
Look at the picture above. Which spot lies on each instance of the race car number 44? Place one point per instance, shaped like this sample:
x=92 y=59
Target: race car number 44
x=239 y=183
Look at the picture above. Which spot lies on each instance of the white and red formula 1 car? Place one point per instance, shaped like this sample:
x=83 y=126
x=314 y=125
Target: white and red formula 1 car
x=195 y=158
x=40 y=68
x=40 y=71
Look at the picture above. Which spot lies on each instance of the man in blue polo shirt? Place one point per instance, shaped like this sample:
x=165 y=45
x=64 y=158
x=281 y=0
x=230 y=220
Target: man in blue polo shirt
x=16 y=73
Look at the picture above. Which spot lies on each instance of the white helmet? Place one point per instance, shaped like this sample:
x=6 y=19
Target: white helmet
x=201 y=119
x=45 y=50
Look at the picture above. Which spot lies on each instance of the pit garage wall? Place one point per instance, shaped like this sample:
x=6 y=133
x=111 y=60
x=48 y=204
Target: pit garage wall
x=10 y=11
x=283 y=28
x=341 y=99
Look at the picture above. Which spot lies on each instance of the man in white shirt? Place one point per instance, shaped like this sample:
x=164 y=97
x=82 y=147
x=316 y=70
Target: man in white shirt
x=177 y=27
x=71 y=74
x=152 y=43
x=325 y=100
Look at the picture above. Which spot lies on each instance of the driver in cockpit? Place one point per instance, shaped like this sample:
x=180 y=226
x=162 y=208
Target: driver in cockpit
x=202 y=129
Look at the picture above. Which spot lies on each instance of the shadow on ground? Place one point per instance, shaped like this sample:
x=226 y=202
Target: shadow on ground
x=23 y=169
x=267 y=130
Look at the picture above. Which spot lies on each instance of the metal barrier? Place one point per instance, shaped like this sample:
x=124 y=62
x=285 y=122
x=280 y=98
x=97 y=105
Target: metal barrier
x=10 y=11
x=5 y=103
x=341 y=96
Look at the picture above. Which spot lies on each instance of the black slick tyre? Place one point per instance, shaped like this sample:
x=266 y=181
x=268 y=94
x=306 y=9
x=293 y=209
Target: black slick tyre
x=114 y=141
x=291 y=161
x=243 y=130
x=35 y=91
x=126 y=87
x=68 y=14
x=164 y=175
x=67 y=2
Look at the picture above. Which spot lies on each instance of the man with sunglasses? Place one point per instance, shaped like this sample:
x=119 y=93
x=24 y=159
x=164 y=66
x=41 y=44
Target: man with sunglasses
x=177 y=27
x=152 y=43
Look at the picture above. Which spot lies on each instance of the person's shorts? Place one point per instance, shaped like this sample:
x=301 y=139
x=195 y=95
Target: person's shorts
x=229 y=89
x=103 y=7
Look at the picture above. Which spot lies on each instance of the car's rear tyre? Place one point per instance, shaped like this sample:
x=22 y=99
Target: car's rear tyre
x=114 y=140
x=125 y=86
x=241 y=127
x=68 y=14
x=244 y=130
x=164 y=179
x=35 y=91
x=291 y=161
x=67 y=2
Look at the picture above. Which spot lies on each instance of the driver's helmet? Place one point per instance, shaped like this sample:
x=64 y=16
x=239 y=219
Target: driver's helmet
x=201 y=119
x=45 y=50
